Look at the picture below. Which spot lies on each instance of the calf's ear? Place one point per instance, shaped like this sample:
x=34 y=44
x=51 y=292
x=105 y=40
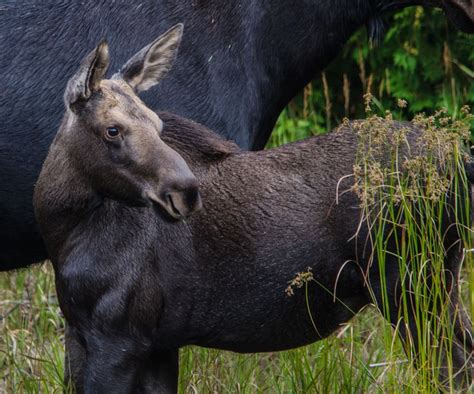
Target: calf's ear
x=87 y=78
x=147 y=67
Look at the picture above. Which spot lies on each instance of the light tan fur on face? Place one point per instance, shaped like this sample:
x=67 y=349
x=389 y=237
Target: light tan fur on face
x=120 y=102
x=120 y=107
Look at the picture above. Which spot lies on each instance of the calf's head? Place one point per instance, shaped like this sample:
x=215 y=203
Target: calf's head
x=114 y=140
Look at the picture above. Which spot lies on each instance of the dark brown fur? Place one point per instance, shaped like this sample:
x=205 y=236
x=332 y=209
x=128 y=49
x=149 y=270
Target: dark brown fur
x=135 y=287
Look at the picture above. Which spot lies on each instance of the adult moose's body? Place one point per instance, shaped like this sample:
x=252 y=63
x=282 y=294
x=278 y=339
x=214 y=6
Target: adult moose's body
x=247 y=59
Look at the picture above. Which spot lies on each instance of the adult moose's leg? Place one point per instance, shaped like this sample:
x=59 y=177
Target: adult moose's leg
x=420 y=329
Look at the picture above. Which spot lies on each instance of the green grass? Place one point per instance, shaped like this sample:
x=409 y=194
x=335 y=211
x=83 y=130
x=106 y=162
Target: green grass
x=31 y=350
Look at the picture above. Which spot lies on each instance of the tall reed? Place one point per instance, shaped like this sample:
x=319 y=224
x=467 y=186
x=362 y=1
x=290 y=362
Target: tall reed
x=407 y=190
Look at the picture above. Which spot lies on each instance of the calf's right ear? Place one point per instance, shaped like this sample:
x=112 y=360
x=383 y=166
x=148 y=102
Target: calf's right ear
x=87 y=78
x=147 y=67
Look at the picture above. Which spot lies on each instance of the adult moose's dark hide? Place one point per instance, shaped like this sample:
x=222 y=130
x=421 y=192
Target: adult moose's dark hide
x=240 y=63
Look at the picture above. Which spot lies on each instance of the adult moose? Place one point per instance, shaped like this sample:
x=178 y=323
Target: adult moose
x=247 y=59
x=135 y=287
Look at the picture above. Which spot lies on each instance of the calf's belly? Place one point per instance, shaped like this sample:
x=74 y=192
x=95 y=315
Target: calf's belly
x=265 y=327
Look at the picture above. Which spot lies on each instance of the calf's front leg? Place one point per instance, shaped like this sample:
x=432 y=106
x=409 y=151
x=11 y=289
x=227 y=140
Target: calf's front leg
x=112 y=364
x=118 y=366
x=74 y=363
x=160 y=373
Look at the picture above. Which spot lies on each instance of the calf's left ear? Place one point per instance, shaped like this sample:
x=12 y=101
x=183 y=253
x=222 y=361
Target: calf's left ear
x=146 y=68
x=87 y=78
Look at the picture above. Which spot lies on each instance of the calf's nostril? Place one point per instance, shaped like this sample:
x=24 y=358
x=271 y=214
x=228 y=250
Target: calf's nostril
x=173 y=205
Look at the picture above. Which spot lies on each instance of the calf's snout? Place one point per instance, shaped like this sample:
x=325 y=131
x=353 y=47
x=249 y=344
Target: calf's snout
x=183 y=202
x=178 y=189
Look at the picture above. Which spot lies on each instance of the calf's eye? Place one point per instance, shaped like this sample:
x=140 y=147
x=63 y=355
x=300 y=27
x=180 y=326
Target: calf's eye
x=112 y=133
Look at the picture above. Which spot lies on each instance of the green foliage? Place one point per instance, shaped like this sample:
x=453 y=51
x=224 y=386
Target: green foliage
x=422 y=59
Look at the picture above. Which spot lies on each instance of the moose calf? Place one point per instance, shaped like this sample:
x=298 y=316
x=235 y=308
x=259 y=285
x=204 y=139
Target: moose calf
x=136 y=283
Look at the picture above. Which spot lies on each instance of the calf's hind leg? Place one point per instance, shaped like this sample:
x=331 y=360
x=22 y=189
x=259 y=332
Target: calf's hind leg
x=413 y=333
x=463 y=327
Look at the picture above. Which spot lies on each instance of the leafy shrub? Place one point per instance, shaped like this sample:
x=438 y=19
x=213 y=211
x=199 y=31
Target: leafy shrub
x=422 y=59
